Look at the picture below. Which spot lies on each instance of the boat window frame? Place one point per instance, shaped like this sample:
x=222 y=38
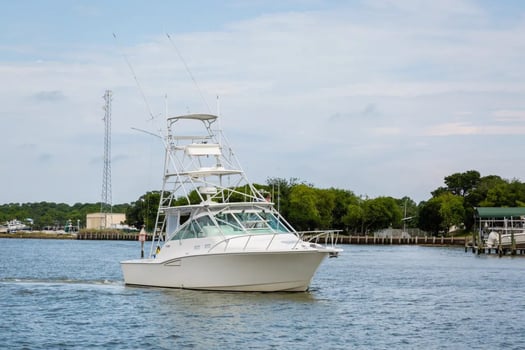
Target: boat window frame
x=232 y=222
x=195 y=227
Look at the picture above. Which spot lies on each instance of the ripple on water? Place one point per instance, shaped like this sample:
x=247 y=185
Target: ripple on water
x=370 y=297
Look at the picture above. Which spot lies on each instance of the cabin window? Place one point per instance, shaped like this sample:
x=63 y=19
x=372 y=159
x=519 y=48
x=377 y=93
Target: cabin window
x=275 y=224
x=195 y=228
x=228 y=224
x=238 y=223
x=206 y=227
x=257 y=222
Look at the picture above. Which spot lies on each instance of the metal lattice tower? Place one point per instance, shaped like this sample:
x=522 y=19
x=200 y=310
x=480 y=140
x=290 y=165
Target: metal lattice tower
x=106 y=205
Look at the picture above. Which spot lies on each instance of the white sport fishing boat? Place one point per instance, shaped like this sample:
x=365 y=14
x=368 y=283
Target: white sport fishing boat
x=215 y=230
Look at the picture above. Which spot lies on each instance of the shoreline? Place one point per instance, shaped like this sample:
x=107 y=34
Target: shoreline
x=38 y=235
x=352 y=240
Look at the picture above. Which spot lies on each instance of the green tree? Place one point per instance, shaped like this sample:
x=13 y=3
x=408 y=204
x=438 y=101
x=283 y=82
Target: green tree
x=303 y=212
x=451 y=210
x=461 y=184
x=354 y=218
x=468 y=185
x=440 y=213
x=409 y=209
x=497 y=196
x=280 y=190
x=476 y=197
x=144 y=211
x=325 y=205
x=381 y=212
x=429 y=218
x=342 y=200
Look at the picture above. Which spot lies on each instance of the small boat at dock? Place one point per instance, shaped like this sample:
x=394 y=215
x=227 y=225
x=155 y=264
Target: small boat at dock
x=215 y=230
x=505 y=239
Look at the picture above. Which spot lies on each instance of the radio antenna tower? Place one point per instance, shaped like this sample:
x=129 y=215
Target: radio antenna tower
x=106 y=205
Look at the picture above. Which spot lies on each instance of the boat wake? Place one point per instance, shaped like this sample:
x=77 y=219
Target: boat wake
x=60 y=281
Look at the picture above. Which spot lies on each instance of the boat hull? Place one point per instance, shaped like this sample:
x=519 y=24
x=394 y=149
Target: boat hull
x=493 y=240
x=247 y=271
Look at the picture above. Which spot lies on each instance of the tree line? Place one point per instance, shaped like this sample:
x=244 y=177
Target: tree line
x=49 y=215
x=309 y=208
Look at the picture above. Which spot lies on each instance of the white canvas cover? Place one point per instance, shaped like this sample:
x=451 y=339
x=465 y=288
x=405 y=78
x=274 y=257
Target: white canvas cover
x=203 y=149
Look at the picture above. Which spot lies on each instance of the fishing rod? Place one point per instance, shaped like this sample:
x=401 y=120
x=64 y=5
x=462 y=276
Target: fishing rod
x=189 y=72
x=141 y=90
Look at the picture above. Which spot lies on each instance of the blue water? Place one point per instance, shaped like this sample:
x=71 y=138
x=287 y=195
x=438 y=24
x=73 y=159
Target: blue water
x=69 y=294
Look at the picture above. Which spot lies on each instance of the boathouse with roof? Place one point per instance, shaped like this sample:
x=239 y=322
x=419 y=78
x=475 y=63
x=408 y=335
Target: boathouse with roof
x=499 y=219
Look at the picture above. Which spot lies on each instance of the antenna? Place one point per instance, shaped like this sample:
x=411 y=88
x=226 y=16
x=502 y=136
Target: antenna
x=220 y=118
x=166 y=104
x=189 y=72
x=106 y=205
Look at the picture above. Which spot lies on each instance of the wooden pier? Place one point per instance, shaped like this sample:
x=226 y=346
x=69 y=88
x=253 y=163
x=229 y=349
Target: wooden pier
x=110 y=236
x=425 y=240
x=343 y=239
x=500 y=251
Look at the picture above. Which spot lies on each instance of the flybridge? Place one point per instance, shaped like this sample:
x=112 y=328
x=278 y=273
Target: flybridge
x=200 y=164
x=203 y=117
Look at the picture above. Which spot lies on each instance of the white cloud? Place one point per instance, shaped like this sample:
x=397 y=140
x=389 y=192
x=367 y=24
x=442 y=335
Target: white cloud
x=450 y=129
x=356 y=87
x=509 y=115
x=387 y=131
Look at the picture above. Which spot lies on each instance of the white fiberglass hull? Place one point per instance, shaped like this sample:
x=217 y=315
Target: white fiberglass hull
x=246 y=271
x=506 y=239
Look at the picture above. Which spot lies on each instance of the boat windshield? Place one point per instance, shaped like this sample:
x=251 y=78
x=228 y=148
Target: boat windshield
x=252 y=222
x=231 y=223
x=194 y=228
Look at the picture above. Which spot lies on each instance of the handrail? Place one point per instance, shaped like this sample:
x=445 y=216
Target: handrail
x=330 y=236
x=228 y=239
x=247 y=241
x=271 y=240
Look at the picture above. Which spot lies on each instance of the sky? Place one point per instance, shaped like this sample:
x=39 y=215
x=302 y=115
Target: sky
x=379 y=97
